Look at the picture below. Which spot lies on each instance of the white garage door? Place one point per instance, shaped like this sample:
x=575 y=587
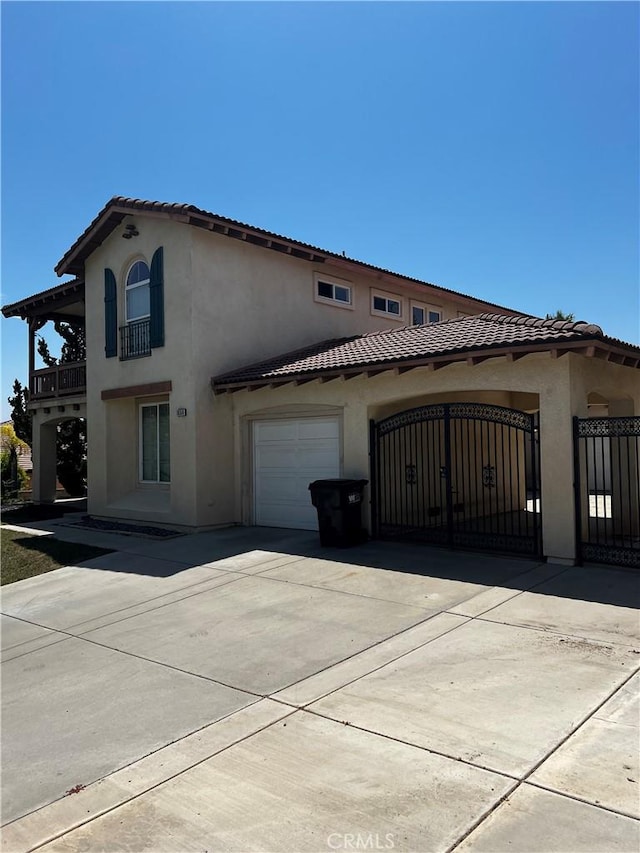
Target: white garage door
x=288 y=455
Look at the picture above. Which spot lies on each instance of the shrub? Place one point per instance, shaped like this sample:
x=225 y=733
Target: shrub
x=12 y=476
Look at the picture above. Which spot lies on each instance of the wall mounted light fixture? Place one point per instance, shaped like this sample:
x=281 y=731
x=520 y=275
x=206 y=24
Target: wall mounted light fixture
x=130 y=231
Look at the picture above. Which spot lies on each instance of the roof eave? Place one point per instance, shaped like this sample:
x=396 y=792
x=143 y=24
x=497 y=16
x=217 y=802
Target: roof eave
x=47 y=301
x=117 y=208
x=69 y=264
x=590 y=348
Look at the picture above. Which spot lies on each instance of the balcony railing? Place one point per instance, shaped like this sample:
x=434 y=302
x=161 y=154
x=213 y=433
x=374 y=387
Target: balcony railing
x=63 y=380
x=135 y=340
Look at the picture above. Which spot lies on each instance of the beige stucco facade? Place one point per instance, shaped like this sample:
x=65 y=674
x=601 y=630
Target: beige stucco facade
x=46 y=418
x=228 y=303
x=557 y=387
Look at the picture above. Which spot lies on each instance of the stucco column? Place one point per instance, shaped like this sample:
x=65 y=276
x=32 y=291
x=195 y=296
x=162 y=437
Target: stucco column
x=43 y=453
x=356 y=448
x=560 y=400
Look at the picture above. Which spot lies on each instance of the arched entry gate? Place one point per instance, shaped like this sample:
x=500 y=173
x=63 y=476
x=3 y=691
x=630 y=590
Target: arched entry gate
x=458 y=474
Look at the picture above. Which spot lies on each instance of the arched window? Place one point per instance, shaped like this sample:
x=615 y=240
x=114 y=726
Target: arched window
x=137 y=292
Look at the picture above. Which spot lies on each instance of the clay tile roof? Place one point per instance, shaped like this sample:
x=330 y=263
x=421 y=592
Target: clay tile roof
x=118 y=207
x=457 y=338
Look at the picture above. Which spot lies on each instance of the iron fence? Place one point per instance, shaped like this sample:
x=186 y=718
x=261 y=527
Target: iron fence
x=135 y=340
x=460 y=475
x=607 y=489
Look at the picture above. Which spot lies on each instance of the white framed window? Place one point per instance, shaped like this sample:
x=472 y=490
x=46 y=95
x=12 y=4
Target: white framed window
x=386 y=304
x=154 y=443
x=422 y=314
x=333 y=291
x=137 y=301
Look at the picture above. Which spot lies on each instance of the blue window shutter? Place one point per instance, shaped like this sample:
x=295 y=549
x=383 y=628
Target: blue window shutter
x=156 y=297
x=110 y=314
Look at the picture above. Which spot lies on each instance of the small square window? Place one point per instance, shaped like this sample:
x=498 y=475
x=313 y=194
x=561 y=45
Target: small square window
x=386 y=305
x=333 y=292
x=421 y=314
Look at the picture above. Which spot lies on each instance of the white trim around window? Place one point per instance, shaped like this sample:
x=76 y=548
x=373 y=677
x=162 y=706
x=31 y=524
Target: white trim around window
x=332 y=291
x=387 y=304
x=422 y=314
x=154 y=443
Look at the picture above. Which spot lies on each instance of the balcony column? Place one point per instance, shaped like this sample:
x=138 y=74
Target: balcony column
x=43 y=453
x=35 y=324
x=32 y=346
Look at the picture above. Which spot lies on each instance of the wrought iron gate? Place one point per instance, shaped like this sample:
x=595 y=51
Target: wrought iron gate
x=459 y=475
x=607 y=489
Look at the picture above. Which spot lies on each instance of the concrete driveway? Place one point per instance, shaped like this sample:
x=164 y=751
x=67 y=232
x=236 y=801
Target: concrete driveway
x=245 y=690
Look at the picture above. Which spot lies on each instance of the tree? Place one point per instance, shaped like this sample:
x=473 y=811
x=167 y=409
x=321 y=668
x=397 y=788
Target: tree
x=560 y=315
x=71 y=442
x=9 y=438
x=73 y=349
x=12 y=477
x=19 y=415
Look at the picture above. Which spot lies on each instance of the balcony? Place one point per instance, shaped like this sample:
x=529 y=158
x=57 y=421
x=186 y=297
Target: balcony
x=135 y=340
x=63 y=380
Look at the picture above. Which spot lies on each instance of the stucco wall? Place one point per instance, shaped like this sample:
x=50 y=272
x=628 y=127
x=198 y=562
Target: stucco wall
x=227 y=303
x=46 y=418
x=113 y=425
x=251 y=303
x=617 y=384
x=560 y=385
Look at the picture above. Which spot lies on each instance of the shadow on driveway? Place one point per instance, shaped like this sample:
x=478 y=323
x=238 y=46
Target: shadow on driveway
x=605 y=585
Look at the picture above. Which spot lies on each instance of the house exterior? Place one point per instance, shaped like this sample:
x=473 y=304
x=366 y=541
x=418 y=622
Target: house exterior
x=227 y=367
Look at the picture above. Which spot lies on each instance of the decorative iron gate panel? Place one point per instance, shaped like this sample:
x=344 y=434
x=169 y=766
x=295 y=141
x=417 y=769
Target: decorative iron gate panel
x=607 y=489
x=458 y=474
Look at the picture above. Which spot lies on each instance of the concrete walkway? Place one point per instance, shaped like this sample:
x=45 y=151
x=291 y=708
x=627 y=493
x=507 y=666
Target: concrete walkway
x=245 y=690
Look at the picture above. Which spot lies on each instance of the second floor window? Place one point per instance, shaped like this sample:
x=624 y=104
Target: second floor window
x=138 y=304
x=382 y=303
x=421 y=314
x=143 y=309
x=134 y=336
x=333 y=292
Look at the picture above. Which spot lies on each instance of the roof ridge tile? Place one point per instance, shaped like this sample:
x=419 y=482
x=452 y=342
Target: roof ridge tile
x=550 y=323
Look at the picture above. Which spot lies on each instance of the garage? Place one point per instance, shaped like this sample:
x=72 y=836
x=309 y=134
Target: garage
x=287 y=456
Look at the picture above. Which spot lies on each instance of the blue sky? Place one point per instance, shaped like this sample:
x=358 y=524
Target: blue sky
x=491 y=148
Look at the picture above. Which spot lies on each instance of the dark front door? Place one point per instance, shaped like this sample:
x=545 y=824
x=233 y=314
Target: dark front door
x=459 y=475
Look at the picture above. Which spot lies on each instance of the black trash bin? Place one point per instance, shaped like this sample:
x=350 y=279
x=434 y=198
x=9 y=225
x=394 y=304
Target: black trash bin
x=339 y=506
